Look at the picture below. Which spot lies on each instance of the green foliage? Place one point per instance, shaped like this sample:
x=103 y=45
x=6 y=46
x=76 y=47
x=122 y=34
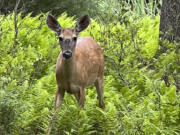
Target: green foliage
x=121 y=10
x=142 y=7
x=137 y=99
x=95 y=8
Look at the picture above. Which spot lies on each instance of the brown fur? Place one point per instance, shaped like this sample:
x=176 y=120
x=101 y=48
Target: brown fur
x=80 y=64
x=85 y=67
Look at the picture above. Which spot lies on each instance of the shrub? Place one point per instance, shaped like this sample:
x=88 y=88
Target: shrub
x=137 y=99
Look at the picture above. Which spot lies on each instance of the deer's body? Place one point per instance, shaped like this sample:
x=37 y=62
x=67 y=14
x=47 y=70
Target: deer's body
x=84 y=68
x=80 y=64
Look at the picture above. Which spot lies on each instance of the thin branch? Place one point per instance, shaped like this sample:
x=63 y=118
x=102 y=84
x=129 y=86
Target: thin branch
x=117 y=68
x=15 y=23
x=52 y=121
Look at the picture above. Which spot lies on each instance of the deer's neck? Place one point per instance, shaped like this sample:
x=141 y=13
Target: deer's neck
x=69 y=65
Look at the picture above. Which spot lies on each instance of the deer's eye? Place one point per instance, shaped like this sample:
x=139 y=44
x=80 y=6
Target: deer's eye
x=74 y=38
x=60 y=39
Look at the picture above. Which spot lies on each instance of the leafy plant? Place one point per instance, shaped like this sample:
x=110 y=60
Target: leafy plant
x=137 y=99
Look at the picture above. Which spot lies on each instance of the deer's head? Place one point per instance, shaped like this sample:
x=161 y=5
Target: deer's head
x=67 y=36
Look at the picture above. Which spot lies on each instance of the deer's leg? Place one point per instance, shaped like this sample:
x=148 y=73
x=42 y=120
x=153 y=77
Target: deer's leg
x=77 y=96
x=100 y=91
x=82 y=97
x=59 y=97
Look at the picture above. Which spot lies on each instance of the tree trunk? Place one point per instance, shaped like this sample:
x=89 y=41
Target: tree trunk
x=170 y=20
x=170 y=30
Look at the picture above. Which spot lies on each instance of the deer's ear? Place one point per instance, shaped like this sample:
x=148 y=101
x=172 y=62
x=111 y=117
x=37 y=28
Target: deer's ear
x=53 y=23
x=82 y=24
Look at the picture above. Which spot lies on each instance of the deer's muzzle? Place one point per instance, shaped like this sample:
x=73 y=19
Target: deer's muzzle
x=67 y=54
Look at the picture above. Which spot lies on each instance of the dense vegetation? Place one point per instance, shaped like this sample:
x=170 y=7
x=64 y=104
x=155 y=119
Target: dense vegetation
x=138 y=100
x=78 y=8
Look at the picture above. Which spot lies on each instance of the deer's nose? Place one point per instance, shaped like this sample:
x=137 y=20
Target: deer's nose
x=67 y=54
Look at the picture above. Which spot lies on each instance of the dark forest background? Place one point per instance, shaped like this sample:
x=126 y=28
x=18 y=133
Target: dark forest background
x=74 y=8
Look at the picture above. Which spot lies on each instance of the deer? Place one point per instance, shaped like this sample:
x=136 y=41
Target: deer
x=79 y=64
